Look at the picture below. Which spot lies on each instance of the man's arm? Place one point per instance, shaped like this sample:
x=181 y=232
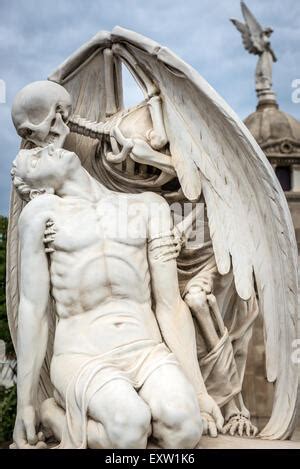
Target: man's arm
x=32 y=323
x=172 y=313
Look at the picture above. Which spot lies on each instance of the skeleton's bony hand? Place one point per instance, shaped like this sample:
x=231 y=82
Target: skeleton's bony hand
x=49 y=236
x=205 y=283
x=240 y=425
x=179 y=238
x=118 y=155
x=25 y=435
x=211 y=415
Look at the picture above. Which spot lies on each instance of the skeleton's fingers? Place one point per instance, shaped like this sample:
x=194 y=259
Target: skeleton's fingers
x=50 y=231
x=123 y=141
x=205 y=287
x=49 y=223
x=212 y=301
x=232 y=423
x=48 y=239
x=143 y=153
x=254 y=429
x=49 y=250
x=114 y=145
x=226 y=428
x=248 y=429
x=178 y=242
x=241 y=426
x=233 y=428
x=116 y=159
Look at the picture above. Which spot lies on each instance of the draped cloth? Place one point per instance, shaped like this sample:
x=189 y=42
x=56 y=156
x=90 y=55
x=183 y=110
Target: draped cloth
x=77 y=378
x=222 y=367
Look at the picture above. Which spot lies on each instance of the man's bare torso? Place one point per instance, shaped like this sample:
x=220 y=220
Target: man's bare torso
x=100 y=277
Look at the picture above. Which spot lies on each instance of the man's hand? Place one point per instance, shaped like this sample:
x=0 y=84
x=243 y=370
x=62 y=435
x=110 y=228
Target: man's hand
x=25 y=435
x=210 y=412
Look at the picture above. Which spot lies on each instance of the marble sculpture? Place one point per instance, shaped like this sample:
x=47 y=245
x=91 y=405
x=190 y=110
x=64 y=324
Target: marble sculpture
x=143 y=243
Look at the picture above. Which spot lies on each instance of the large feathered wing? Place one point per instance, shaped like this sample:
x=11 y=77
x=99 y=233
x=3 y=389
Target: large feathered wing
x=249 y=219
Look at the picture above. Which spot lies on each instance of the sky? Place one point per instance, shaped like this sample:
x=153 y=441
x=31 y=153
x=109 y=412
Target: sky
x=37 y=35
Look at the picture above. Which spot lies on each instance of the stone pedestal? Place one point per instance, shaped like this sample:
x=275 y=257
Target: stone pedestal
x=230 y=442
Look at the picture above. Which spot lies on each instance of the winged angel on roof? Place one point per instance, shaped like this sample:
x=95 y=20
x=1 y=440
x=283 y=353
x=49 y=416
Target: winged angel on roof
x=121 y=338
x=256 y=40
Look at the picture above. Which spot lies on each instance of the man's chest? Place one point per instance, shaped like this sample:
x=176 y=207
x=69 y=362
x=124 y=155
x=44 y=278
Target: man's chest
x=109 y=224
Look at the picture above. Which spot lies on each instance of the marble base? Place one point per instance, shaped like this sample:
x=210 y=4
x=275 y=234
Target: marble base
x=231 y=442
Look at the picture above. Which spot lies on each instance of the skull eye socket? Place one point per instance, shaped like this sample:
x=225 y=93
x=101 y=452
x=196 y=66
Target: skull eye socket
x=61 y=111
x=25 y=133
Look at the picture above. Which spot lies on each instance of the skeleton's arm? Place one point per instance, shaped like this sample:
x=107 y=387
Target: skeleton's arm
x=172 y=313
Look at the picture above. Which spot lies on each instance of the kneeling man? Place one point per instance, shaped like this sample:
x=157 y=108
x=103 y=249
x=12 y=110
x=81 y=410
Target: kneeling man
x=124 y=364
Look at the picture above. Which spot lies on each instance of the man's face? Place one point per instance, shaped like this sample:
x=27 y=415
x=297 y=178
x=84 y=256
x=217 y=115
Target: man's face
x=46 y=167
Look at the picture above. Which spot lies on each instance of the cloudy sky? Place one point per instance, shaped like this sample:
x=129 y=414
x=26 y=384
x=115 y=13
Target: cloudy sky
x=37 y=35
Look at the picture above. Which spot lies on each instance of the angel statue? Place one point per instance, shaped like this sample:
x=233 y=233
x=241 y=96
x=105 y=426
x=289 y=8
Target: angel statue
x=256 y=40
x=131 y=314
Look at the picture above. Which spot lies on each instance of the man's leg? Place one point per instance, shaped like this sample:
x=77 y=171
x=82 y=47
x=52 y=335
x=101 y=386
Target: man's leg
x=125 y=417
x=118 y=417
x=176 y=419
x=53 y=418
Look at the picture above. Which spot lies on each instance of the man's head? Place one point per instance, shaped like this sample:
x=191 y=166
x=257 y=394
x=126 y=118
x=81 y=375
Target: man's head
x=43 y=170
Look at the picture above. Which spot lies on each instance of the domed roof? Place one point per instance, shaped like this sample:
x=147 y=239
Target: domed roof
x=277 y=132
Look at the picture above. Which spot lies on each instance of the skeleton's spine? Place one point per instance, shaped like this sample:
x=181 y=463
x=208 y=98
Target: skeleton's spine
x=82 y=126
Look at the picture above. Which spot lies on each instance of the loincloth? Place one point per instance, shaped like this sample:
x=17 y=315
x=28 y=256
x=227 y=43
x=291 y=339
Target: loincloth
x=77 y=378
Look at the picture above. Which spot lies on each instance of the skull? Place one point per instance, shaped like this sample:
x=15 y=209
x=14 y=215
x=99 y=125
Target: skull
x=40 y=112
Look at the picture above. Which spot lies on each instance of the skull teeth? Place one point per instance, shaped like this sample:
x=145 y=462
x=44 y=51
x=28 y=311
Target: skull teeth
x=51 y=139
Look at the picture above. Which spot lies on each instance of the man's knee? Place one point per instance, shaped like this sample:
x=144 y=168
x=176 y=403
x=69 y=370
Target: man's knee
x=179 y=425
x=129 y=427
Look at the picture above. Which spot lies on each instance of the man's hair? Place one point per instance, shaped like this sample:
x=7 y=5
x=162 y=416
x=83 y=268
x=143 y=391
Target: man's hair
x=26 y=192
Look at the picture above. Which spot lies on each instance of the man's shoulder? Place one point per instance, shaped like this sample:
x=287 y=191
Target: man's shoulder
x=38 y=211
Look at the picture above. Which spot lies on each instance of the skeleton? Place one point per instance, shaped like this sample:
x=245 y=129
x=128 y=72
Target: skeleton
x=145 y=135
